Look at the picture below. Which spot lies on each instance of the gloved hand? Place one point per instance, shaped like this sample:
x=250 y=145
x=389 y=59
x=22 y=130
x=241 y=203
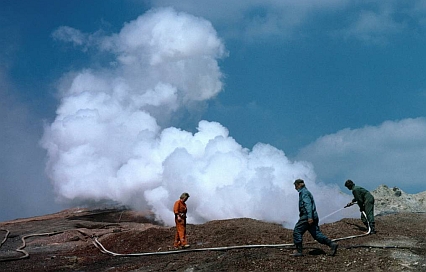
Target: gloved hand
x=349 y=204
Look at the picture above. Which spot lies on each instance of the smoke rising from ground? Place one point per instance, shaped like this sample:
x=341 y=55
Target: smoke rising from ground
x=113 y=137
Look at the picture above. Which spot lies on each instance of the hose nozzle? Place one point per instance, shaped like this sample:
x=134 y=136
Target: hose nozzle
x=349 y=204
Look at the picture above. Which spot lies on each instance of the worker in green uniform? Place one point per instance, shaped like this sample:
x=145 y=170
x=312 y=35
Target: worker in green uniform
x=365 y=201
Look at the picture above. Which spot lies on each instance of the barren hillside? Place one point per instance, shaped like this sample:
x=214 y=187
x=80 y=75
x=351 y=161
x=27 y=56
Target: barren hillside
x=66 y=241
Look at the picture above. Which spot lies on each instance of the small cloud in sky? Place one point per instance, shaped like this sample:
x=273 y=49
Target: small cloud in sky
x=69 y=34
x=77 y=38
x=391 y=153
x=373 y=27
x=251 y=20
x=373 y=22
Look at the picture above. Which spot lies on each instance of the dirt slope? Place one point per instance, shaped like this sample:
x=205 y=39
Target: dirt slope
x=399 y=245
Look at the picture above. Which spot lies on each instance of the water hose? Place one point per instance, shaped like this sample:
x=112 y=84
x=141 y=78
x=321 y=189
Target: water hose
x=5 y=236
x=101 y=247
x=104 y=250
x=21 y=248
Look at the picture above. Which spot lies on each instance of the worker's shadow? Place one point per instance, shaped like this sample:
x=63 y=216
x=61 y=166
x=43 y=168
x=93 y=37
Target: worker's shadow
x=358 y=227
x=317 y=251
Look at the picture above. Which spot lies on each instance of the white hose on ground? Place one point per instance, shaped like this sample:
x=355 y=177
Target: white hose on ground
x=354 y=236
x=5 y=236
x=104 y=250
x=21 y=248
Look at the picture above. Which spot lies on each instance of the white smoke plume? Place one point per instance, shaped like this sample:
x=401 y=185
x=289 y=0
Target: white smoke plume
x=109 y=140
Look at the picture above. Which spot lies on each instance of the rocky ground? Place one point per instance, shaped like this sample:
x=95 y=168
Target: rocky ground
x=392 y=200
x=65 y=242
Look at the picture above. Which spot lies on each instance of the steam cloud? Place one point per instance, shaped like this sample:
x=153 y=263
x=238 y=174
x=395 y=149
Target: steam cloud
x=111 y=139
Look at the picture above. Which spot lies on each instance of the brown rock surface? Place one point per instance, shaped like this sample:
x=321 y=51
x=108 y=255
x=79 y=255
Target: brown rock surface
x=399 y=245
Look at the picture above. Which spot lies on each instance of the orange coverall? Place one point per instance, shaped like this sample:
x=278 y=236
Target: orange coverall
x=180 y=209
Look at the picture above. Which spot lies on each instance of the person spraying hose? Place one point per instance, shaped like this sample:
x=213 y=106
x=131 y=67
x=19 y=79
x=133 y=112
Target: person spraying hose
x=365 y=201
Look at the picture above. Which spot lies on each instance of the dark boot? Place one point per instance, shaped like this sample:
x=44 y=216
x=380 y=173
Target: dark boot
x=372 y=228
x=298 y=252
x=333 y=248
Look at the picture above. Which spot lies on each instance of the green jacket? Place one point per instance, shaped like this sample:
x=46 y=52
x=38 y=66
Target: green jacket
x=361 y=196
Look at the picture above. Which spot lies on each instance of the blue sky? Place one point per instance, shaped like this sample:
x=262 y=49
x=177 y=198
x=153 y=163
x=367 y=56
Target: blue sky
x=338 y=84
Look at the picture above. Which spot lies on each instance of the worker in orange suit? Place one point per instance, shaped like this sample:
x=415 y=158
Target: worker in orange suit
x=180 y=218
